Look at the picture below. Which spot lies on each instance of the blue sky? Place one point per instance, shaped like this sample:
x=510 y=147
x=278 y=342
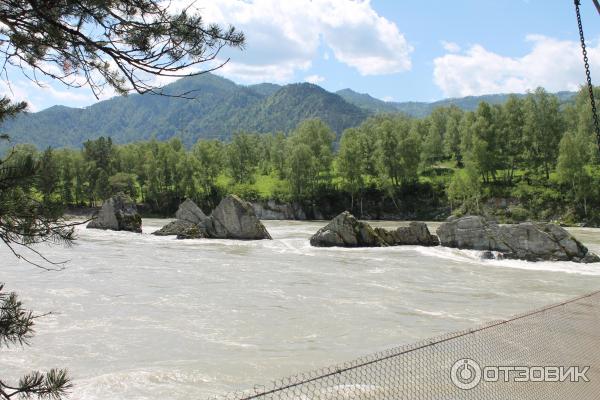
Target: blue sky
x=395 y=50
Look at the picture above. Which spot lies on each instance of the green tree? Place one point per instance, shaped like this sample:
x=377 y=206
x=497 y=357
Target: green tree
x=209 y=154
x=102 y=189
x=452 y=140
x=511 y=143
x=115 y=43
x=302 y=167
x=319 y=138
x=578 y=116
x=350 y=165
x=47 y=178
x=433 y=142
x=120 y=44
x=277 y=154
x=123 y=182
x=390 y=164
x=242 y=157
x=464 y=191
x=542 y=131
x=16 y=329
x=574 y=155
x=398 y=150
x=67 y=176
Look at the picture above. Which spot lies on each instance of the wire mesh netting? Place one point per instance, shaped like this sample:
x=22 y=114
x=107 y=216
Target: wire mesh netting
x=528 y=356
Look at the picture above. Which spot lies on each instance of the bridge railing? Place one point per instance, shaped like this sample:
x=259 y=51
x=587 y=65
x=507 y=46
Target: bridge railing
x=549 y=353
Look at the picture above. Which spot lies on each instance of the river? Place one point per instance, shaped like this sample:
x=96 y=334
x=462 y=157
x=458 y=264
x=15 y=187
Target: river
x=143 y=317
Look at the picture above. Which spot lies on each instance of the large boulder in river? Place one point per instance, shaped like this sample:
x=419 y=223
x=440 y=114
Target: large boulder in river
x=118 y=213
x=346 y=231
x=190 y=212
x=234 y=218
x=526 y=241
x=416 y=233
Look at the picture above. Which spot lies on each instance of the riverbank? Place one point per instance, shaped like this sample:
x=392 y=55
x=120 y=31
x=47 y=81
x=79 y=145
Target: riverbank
x=503 y=210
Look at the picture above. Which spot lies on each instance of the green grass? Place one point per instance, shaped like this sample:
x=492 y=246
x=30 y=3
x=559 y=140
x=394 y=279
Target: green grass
x=224 y=181
x=267 y=185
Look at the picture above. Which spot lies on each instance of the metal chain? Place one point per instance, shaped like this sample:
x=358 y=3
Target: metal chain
x=587 y=72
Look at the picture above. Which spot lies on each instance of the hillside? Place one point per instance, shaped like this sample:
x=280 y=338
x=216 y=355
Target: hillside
x=218 y=110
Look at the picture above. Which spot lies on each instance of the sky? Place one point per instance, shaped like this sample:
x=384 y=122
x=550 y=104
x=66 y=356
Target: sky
x=395 y=50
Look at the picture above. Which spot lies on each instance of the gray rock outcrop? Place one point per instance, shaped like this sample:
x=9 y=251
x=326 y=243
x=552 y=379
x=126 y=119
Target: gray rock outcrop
x=118 y=213
x=191 y=223
x=234 y=218
x=416 y=233
x=192 y=231
x=272 y=210
x=346 y=231
x=525 y=241
x=174 y=228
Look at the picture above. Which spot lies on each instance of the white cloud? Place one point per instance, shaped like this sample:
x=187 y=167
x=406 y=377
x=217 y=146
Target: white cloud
x=388 y=98
x=553 y=64
x=16 y=91
x=314 y=79
x=284 y=37
x=450 y=47
x=39 y=97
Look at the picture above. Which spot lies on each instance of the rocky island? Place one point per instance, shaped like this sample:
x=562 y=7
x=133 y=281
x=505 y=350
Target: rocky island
x=346 y=231
x=525 y=241
x=233 y=218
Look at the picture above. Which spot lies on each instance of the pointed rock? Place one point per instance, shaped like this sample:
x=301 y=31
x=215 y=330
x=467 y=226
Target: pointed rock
x=190 y=212
x=234 y=218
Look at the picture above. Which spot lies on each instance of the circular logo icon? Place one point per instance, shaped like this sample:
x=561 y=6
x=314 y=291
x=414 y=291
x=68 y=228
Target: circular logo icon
x=466 y=374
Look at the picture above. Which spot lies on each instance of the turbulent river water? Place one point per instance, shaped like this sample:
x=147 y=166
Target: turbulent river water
x=144 y=317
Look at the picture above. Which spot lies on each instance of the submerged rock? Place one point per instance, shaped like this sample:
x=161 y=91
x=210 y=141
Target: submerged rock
x=118 y=213
x=525 y=241
x=234 y=218
x=193 y=231
x=490 y=255
x=346 y=231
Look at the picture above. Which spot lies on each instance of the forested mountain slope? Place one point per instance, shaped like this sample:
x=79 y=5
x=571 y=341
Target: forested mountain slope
x=219 y=108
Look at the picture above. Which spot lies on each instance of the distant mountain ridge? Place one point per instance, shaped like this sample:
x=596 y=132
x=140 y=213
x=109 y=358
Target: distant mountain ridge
x=423 y=109
x=220 y=109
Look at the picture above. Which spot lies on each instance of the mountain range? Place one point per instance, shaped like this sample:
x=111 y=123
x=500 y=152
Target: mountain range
x=218 y=109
